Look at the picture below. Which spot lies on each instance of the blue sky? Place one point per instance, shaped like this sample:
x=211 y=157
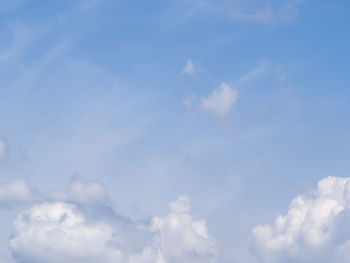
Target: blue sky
x=118 y=108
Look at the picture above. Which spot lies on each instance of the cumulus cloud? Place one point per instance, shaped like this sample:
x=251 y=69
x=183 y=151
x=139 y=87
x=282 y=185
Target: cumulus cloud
x=315 y=228
x=189 y=69
x=58 y=232
x=16 y=191
x=82 y=192
x=182 y=239
x=221 y=100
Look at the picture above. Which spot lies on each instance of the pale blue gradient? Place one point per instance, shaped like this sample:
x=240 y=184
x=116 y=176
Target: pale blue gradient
x=93 y=90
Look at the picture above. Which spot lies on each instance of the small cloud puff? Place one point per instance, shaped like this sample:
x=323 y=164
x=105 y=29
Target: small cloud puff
x=189 y=69
x=312 y=230
x=16 y=191
x=57 y=232
x=221 y=100
x=81 y=192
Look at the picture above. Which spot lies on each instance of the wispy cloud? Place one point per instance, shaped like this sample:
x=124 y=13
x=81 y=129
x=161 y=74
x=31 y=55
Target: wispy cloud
x=189 y=69
x=252 y=10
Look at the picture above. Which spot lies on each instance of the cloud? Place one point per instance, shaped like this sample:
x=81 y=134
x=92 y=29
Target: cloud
x=79 y=191
x=189 y=69
x=221 y=100
x=16 y=191
x=182 y=239
x=315 y=228
x=58 y=232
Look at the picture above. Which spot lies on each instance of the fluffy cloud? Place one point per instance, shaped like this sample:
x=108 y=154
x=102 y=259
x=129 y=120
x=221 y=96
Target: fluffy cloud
x=315 y=227
x=221 y=100
x=58 y=232
x=82 y=192
x=182 y=239
x=16 y=191
x=189 y=69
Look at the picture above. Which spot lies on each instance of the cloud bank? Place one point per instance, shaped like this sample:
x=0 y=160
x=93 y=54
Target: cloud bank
x=315 y=229
x=59 y=232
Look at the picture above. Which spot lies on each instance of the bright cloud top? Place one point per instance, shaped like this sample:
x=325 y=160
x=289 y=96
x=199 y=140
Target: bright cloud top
x=313 y=228
x=221 y=100
x=59 y=232
x=182 y=239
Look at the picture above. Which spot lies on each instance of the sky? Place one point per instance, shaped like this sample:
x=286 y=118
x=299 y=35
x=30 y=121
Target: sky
x=192 y=131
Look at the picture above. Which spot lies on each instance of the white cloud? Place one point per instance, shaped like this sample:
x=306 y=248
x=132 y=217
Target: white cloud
x=179 y=237
x=57 y=232
x=16 y=191
x=79 y=191
x=189 y=69
x=313 y=228
x=221 y=100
